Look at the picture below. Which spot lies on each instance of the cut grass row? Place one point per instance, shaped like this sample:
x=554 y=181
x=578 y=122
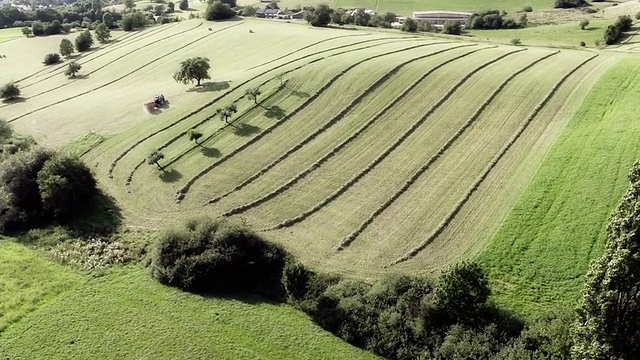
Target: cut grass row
x=456 y=209
x=305 y=214
x=416 y=175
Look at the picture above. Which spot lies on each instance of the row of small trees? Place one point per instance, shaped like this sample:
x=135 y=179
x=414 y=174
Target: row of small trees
x=613 y=33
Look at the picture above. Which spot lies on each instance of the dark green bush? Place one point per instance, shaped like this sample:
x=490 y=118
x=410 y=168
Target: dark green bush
x=84 y=41
x=527 y=8
x=567 y=4
x=219 y=11
x=451 y=27
x=214 y=256
x=51 y=59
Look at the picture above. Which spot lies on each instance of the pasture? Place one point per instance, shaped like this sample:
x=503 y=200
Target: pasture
x=366 y=152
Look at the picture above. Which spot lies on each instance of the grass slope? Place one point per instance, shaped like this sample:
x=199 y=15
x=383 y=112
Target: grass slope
x=127 y=315
x=539 y=255
x=27 y=279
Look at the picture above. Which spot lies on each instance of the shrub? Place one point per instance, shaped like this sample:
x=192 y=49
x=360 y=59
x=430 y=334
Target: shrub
x=219 y=11
x=9 y=91
x=183 y=5
x=409 y=25
x=66 y=47
x=425 y=26
x=51 y=59
x=582 y=43
x=26 y=31
x=516 y=42
x=214 y=256
x=451 y=27
x=624 y=23
x=567 y=4
x=527 y=8
x=84 y=41
x=320 y=16
x=248 y=11
x=584 y=23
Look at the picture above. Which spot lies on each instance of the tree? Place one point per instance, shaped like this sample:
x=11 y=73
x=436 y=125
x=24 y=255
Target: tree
x=72 y=69
x=584 y=23
x=154 y=159
x=129 y=4
x=515 y=41
x=171 y=7
x=219 y=11
x=183 y=5
x=608 y=325
x=66 y=47
x=9 y=91
x=451 y=27
x=226 y=112
x=425 y=25
x=103 y=34
x=133 y=21
x=361 y=18
x=84 y=41
x=320 y=16
x=51 y=59
x=409 y=25
x=252 y=94
x=272 y=5
x=338 y=17
x=65 y=184
x=248 y=11
x=159 y=9
x=26 y=31
x=194 y=136
x=108 y=20
x=462 y=292
x=193 y=69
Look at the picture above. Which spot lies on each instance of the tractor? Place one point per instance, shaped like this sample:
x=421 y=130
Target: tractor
x=157 y=102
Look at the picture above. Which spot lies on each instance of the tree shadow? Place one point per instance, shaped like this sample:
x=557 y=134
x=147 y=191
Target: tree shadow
x=18 y=99
x=102 y=217
x=210 y=151
x=210 y=86
x=246 y=130
x=274 y=111
x=170 y=176
x=80 y=77
x=300 y=94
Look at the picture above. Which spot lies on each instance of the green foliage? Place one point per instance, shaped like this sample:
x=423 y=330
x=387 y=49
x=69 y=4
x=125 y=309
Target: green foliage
x=108 y=20
x=26 y=31
x=451 y=27
x=51 y=59
x=608 y=325
x=226 y=112
x=527 y=8
x=253 y=94
x=84 y=41
x=103 y=34
x=72 y=69
x=183 y=5
x=424 y=26
x=339 y=17
x=193 y=69
x=194 y=135
x=248 y=10
x=133 y=21
x=9 y=91
x=361 y=18
x=462 y=292
x=409 y=25
x=129 y=4
x=219 y=11
x=494 y=19
x=154 y=159
x=66 y=47
x=567 y=4
x=319 y=16
x=66 y=186
x=638 y=15
x=584 y=23
x=217 y=257
x=516 y=42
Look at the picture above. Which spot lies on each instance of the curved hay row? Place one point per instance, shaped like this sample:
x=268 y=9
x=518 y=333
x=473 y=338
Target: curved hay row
x=342 y=114
x=414 y=177
x=210 y=103
x=388 y=150
x=175 y=138
x=447 y=220
x=110 y=46
x=180 y=193
x=117 y=79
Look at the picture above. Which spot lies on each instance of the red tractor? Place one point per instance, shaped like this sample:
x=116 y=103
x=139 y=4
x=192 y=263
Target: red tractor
x=157 y=103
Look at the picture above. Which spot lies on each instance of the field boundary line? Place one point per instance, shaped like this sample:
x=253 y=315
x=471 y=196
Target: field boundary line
x=304 y=215
x=180 y=194
x=447 y=220
x=228 y=92
x=119 y=78
x=335 y=119
x=416 y=175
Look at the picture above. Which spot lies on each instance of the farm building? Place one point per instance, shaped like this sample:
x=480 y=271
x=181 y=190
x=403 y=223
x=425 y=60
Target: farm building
x=291 y=15
x=439 y=17
x=268 y=13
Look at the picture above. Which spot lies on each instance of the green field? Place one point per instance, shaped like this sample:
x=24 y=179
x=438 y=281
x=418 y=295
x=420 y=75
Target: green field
x=367 y=152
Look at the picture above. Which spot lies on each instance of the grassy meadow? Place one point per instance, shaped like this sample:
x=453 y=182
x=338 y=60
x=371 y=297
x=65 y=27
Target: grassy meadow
x=367 y=152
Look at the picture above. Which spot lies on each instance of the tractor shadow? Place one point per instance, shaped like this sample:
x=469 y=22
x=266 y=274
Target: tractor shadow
x=245 y=130
x=274 y=111
x=210 y=86
x=210 y=151
x=170 y=176
x=158 y=111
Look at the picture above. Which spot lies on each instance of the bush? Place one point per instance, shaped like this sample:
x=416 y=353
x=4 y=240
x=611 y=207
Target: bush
x=584 y=23
x=214 y=256
x=320 y=16
x=51 y=59
x=624 y=23
x=133 y=21
x=219 y=11
x=567 y=4
x=248 y=11
x=527 y=8
x=409 y=25
x=26 y=31
x=582 y=43
x=516 y=42
x=84 y=41
x=451 y=27
x=638 y=15
x=9 y=91
x=183 y=5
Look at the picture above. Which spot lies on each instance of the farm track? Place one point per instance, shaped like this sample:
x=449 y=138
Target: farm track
x=451 y=215
x=111 y=62
x=119 y=78
x=304 y=215
x=180 y=194
x=212 y=102
x=335 y=119
x=414 y=177
x=122 y=41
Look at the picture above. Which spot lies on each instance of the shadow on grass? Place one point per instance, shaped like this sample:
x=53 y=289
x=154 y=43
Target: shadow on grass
x=170 y=176
x=245 y=130
x=210 y=86
x=274 y=111
x=80 y=77
x=209 y=151
x=103 y=217
x=18 y=99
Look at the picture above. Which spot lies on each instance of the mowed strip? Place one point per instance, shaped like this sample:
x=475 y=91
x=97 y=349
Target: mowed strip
x=384 y=138
x=468 y=233
x=420 y=210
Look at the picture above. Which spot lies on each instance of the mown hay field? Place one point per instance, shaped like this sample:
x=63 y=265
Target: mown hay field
x=366 y=152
